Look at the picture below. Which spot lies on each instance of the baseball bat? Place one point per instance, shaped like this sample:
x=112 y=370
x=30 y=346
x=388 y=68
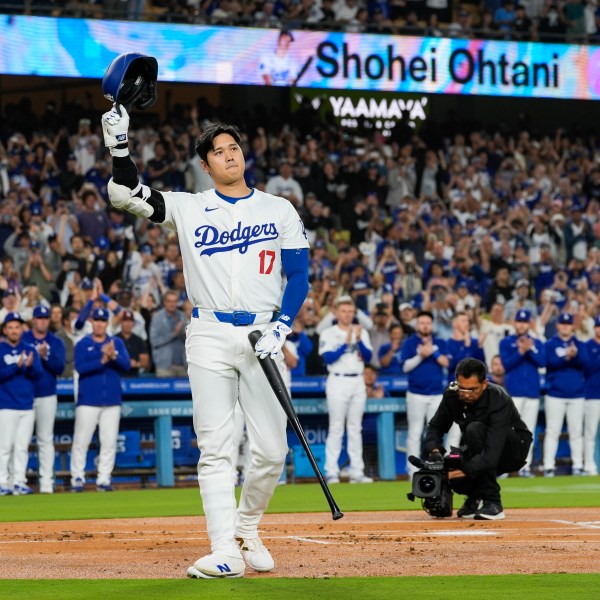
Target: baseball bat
x=283 y=397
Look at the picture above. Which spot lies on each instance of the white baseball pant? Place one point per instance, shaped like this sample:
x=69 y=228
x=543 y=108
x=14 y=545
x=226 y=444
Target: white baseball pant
x=107 y=419
x=44 y=408
x=419 y=411
x=223 y=369
x=590 y=433
x=528 y=409
x=556 y=409
x=16 y=429
x=346 y=401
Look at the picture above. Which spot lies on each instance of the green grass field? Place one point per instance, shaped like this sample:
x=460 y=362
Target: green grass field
x=565 y=492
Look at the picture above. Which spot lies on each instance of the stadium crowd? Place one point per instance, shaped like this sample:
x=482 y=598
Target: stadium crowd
x=573 y=21
x=471 y=226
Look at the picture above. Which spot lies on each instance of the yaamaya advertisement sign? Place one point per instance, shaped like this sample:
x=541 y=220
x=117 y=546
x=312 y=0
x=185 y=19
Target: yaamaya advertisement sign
x=307 y=59
x=354 y=109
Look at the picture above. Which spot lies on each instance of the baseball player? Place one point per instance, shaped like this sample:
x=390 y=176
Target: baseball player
x=99 y=361
x=522 y=356
x=424 y=358
x=345 y=348
x=279 y=68
x=460 y=345
x=564 y=394
x=592 y=400
x=51 y=350
x=20 y=368
x=235 y=243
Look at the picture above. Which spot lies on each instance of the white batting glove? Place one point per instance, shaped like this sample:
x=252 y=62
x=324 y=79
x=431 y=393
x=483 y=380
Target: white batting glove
x=114 y=127
x=272 y=341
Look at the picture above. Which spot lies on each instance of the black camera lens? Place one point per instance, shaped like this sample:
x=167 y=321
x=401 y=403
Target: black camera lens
x=427 y=484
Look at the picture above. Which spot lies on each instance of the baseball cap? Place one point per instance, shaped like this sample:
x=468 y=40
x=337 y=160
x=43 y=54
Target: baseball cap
x=566 y=318
x=9 y=292
x=146 y=249
x=41 y=312
x=34 y=244
x=523 y=315
x=128 y=316
x=13 y=316
x=100 y=314
x=102 y=242
x=87 y=284
x=522 y=282
x=597 y=322
x=406 y=305
x=36 y=210
x=320 y=244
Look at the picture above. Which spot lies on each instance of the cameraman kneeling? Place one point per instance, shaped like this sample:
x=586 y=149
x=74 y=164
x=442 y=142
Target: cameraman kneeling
x=494 y=439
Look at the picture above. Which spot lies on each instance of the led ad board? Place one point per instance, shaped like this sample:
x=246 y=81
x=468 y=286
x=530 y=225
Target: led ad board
x=308 y=59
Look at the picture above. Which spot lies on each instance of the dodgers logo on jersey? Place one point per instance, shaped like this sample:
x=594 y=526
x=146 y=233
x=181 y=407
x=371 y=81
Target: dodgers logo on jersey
x=239 y=238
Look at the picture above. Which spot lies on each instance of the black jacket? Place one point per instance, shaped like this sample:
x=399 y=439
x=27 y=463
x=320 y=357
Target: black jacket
x=495 y=408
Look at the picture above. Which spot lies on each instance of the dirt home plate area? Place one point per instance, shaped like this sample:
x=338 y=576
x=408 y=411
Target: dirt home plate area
x=312 y=545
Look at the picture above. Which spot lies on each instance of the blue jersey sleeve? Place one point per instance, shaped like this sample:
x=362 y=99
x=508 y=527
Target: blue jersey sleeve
x=295 y=267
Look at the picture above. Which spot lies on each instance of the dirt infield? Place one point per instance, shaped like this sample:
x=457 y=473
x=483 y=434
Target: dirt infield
x=312 y=545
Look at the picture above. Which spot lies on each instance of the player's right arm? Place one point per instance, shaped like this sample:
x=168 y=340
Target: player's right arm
x=124 y=189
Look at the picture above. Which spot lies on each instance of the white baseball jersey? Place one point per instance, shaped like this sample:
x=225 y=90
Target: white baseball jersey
x=350 y=362
x=232 y=252
x=281 y=69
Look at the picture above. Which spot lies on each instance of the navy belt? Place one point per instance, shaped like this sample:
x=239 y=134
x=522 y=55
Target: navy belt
x=346 y=374
x=237 y=318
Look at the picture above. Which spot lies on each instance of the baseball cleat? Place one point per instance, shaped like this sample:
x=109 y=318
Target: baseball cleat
x=489 y=511
x=5 y=491
x=332 y=479
x=77 y=485
x=22 y=490
x=217 y=566
x=255 y=554
x=104 y=487
x=361 y=479
x=469 y=509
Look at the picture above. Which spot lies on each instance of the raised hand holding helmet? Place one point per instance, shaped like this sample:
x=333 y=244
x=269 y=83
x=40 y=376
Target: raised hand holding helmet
x=115 y=124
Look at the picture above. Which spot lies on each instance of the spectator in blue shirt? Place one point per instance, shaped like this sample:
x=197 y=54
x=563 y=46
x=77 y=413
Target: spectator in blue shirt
x=20 y=368
x=424 y=359
x=52 y=352
x=564 y=395
x=389 y=354
x=100 y=360
x=592 y=400
x=522 y=356
x=304 y=347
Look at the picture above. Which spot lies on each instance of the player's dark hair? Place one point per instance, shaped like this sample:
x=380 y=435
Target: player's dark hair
x=425 y=313
x=468 y=367
x=204 y=144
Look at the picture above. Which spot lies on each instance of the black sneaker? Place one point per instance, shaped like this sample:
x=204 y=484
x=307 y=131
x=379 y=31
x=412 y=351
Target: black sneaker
x=490 y=511
x=469 y=508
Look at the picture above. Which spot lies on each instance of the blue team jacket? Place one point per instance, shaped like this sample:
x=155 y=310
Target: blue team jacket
x=592 y=370
x=458 y=350
x=522 y=378
x=100 y=385
x=17 y=383
x=428 y=378
x=564 y=378
x=53 y=366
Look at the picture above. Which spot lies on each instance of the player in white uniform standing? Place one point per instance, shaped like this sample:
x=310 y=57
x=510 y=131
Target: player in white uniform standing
x=235 y=242
x=345 y=348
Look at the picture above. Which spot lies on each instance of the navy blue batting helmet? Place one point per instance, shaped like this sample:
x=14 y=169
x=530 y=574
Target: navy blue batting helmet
x=131 y=80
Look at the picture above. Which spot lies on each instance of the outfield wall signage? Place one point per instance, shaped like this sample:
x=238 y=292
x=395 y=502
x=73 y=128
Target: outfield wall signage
x=331 y=60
